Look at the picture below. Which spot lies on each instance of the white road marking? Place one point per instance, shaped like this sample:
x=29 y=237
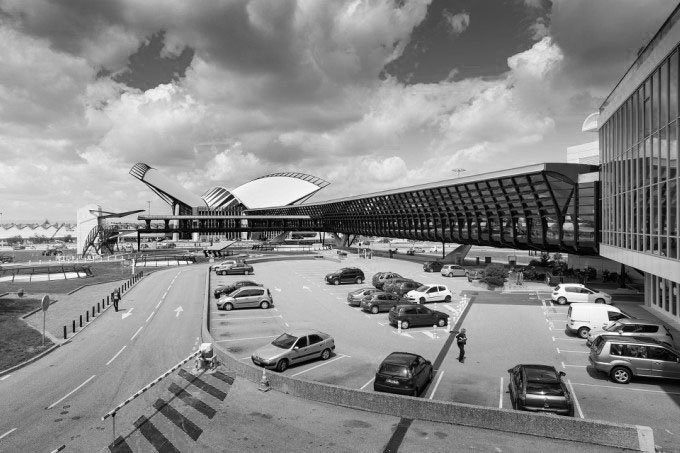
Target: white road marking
x=159 y=303
x=567 y=339
x=150 y=316
x=8 y=433
x=436 y=385
x=114 y=357
x=367 y=384
x=500 y=399
x=138 y=330
x=245 y=339
x=577 y=352
x=576 y=366
x=627 y=388
x=257 y=317
x=342 y=356
x=5 y=377
x=71 y=392
x=578 y=406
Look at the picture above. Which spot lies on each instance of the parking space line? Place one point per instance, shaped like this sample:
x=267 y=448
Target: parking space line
x=578 y=406
x=245 y=339
x=257 y=317
x=8 y=433
x=500 y=398
x=341 y=356
x=575 y=352
x=567 y=339
x=436 y=385
x=627 y=388
x=367 y=384
x=574 y=366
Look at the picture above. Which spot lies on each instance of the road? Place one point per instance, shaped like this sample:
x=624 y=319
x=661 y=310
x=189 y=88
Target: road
x=60 y=399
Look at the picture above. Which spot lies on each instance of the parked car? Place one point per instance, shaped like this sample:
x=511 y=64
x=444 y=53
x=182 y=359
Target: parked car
x=247 y=297
x=581 y=318
x=381 y=301
x=623 y=358
x=223 y=290
x=474 y=275
x=6 y=259
x=223 y=264
x=380 y=277
x=405 y=287
x=633 y=327
x=575 y=292
x=404 y=373
x=430 y=293
x=416 y=315
x=540 y=388
x=355 y=297
x=453 y=270
x=390 y=285
x=238 y=268
x=346 y=275
x=293 y=348
x=432 y=266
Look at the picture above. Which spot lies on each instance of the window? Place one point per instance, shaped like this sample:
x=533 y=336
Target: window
x=314 y=338
x=634 y=350
x=658 y=353
x=614 y=316
x=301 y=343
x=649 y=329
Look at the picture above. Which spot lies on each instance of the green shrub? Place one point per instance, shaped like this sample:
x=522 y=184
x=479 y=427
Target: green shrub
x=495 y=275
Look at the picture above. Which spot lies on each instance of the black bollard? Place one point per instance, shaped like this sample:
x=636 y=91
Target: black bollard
x=93 y=311
x=64 y=332
x=74 y=326
x=98 y=310
x=107 y=300
x=81 y=320
x=87 y=316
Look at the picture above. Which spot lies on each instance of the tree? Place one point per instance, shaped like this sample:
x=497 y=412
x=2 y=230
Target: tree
x=495 y=275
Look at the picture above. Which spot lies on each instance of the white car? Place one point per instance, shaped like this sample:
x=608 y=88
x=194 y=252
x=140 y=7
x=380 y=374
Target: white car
x=575 y=292
x=430 y=293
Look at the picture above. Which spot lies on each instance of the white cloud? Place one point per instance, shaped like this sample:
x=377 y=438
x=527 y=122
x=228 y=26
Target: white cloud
x=457 y=23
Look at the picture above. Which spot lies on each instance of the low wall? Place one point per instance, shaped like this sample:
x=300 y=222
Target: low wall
x=632 y=437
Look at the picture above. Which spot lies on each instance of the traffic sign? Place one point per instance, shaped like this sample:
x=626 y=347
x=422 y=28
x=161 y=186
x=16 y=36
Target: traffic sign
x=45 y=302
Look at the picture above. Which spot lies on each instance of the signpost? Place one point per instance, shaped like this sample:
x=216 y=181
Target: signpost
x=44 y=304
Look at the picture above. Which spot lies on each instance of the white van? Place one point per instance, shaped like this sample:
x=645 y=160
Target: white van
x=583 y=317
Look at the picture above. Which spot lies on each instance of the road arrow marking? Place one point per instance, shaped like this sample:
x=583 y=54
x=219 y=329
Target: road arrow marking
x=127 y=313
x=277 y=289
x=178 y=310
x=307 y=288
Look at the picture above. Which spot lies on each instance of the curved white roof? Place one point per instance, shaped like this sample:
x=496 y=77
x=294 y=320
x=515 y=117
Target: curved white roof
x=278 y=189
x=590 y=123
x=164 y=186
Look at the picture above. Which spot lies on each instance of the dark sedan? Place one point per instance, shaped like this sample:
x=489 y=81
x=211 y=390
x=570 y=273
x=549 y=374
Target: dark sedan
x=540 y=388
x=390 y=285
x=404 y=373
x=432 y=266
x=416 y=315
x=381 y=301
x=238 y=268
x=223 y=290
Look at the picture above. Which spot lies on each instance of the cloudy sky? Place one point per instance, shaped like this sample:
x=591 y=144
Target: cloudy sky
x=368 y=95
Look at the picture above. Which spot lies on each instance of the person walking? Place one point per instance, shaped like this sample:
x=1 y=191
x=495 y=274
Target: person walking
x=461 y=340
x=115 y=296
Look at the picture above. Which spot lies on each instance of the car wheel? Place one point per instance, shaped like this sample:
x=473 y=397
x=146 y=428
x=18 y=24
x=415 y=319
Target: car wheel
x=583 y=332
x=336 y=282
x=599 y=300
x=450 y=274
x=561 y=300
x=282 y=365
x=430 y=376
x=441 y=322
x=228 y=307
x=359 y=280
x=422 y=300
x=246 y=272
x=326 y=354
x=264 y=305
x=620 y=375
x=447 y=299
x=427 y=270
x=374 y=309
x=404 y=324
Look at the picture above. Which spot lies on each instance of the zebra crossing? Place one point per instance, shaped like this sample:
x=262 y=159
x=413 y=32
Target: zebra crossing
x=177 y=419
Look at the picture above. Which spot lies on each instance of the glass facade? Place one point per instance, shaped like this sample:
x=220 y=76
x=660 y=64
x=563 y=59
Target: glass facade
x=639 y=145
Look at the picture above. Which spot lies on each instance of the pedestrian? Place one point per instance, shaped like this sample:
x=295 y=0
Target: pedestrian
x=461 y=339
x=520 y=277
x=116 y=298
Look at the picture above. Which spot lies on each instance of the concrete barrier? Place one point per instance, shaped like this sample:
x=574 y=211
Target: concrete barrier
x=632 y=437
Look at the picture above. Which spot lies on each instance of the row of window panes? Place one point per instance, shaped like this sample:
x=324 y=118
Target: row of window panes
x=665 y=294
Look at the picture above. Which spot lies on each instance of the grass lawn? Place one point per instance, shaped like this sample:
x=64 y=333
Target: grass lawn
x=18 y=341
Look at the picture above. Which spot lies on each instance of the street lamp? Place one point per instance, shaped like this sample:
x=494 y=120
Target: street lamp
x=458 y=171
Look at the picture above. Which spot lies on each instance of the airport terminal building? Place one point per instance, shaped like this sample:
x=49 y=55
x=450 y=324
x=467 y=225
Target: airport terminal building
x=638 y=135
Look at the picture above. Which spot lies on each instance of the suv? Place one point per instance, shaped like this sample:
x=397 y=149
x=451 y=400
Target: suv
x=247 y=297
x=453 y=270
x=416 y=315
x=430 y=293
x=346 y=275
x=380 y=277
x=375 y=303
x=633 y=327
x=432 y=266
x=575 y=292
x=623 y=358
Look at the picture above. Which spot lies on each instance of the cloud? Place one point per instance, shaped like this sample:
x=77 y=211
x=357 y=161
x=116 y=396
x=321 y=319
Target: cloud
x=457 y=23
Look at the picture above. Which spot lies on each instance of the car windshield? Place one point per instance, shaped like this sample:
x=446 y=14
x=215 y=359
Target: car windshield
x=422 y=289
x=545 y=388
x=394 y=370
x=285 y=341
x=614 y=327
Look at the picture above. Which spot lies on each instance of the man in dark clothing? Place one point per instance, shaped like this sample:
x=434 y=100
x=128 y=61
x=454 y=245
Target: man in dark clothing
x=116 y=298
x=461 y=339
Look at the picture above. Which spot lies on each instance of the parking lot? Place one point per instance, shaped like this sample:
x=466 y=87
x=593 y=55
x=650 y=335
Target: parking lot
x=503 y=330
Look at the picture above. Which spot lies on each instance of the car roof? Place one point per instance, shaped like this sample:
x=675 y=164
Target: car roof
x=640 y=321
x=639 y=339
x=401 y=358
x=303 y=332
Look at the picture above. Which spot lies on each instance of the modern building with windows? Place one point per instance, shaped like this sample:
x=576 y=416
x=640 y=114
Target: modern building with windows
x=638 y=136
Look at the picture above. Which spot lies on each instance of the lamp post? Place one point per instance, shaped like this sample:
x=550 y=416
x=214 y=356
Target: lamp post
x=458 y=171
